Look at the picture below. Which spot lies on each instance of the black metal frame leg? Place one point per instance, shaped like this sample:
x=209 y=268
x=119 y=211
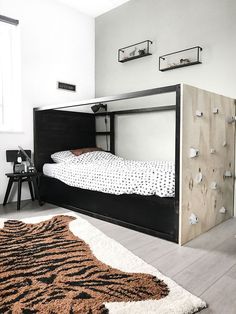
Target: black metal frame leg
x=31 y=189
x=19 y=193
x=36 y=190
x=9 y=185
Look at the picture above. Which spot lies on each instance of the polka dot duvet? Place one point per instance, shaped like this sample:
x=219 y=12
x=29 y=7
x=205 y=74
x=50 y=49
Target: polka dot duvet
x=107 y=173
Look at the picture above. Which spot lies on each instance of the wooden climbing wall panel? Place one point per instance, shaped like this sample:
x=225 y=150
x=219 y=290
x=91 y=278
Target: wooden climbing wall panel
x=214 y=137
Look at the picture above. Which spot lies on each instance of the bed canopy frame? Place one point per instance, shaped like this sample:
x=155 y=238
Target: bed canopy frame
x=195 y=207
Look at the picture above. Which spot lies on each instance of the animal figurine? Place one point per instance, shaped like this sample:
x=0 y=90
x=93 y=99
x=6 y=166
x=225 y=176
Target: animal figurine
x=132 y=53
x=142 y=52
x=184 y=61
x=124 y=55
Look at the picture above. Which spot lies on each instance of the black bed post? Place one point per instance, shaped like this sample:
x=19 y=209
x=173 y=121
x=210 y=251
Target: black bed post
x=35 y=138
x=177 y=156
x=112 y=134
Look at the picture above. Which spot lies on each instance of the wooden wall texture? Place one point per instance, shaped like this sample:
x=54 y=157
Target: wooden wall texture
x=214 y=137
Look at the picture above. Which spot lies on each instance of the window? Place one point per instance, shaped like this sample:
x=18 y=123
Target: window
x=10 y=76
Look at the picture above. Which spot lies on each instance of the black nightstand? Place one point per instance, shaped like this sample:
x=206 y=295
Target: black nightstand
x=29 y=177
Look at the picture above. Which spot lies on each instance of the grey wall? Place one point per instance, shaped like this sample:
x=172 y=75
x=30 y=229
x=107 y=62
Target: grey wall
x=171 y=25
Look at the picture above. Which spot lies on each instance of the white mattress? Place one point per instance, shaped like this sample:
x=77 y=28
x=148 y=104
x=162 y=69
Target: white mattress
x=104 y=172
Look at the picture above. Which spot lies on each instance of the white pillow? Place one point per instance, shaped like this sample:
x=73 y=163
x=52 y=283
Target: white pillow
x=63 y=156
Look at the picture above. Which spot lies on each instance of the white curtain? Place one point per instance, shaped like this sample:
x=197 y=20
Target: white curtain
x=10 y=78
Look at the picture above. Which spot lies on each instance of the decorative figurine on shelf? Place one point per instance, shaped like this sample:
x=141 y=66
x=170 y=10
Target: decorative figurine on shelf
x=132 y=53
x=142 y=52
x=124 y=55
x=171 y=65
x=184 y=61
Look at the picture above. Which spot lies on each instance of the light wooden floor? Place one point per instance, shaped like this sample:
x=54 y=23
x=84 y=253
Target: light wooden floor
x=205 y=266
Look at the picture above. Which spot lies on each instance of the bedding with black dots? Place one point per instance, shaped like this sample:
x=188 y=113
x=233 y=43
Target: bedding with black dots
x=105 y=172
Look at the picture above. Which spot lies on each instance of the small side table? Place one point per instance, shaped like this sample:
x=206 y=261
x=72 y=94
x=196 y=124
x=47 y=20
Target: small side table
x=29 y=177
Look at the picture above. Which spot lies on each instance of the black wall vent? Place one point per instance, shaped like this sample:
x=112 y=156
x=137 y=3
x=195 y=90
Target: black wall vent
x=66 y=86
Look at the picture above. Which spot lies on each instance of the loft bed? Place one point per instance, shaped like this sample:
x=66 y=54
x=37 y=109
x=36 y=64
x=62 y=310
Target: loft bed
x=166 y=217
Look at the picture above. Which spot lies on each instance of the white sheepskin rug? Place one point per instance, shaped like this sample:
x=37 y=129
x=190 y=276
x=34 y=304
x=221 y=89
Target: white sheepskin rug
x=108 y=251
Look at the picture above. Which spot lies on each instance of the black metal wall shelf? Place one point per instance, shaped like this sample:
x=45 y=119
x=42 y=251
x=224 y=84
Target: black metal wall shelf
x=135 y=51
x=103 y=133
x=180 y=59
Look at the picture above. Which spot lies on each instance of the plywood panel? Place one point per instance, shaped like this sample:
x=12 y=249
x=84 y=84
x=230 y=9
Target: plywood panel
x=210 y=131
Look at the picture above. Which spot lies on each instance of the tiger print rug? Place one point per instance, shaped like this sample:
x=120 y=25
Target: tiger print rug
x=46 y=268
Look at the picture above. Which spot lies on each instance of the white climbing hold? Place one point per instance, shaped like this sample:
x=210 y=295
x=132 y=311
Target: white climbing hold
x=193 y=152
x=199 y=113
x=224 y=144
x=231 y=119
x=199 y=178
x=215 y=110
x=214 y=185
x=212 y=151
x=193 y=219
x=222 y=210
x=228 y=174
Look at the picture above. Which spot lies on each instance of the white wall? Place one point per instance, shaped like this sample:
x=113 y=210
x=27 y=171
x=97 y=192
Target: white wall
x=171 y=25
x=137 y=136
x=143 y=134
x=57 y=43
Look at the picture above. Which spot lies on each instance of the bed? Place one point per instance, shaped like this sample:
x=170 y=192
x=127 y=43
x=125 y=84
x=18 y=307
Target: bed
x=60 y=130
x=197 y=112
x=74 y=184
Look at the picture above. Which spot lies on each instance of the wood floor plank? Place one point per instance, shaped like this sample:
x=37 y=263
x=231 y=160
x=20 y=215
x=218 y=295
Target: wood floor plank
x=177 y=260
x=200 y=275
x=221 y=296
x=154 y=249
x=232 y=272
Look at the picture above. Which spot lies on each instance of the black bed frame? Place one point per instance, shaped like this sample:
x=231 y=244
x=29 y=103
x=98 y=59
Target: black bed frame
x=57 y=130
